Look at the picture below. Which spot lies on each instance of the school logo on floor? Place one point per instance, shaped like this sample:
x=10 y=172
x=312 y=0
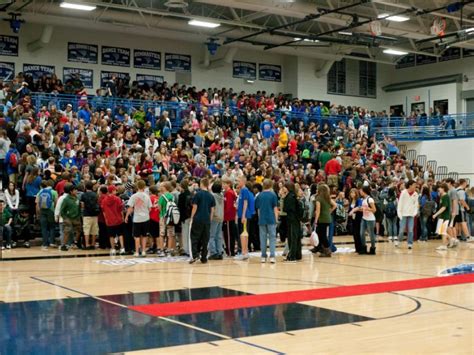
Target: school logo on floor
x=458 y=270
x=123 y=262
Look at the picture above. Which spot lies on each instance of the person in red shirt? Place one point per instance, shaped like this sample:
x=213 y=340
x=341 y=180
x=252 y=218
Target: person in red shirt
x=332 y=170
x=292 y=147
x=230 y=214
x=112 y=209
x=155 y=221
x=65 y=178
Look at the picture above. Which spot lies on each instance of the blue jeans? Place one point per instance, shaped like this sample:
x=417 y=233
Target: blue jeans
x=216 y=241
x=424 y=228
x=267 y=232
x=370 y=227
x=332 y=227
x=404 y=222
x=392 y=227
x=6 y=234
x=47 y=227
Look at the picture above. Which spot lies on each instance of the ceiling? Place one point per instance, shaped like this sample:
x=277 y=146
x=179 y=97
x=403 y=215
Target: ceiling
x=326 y=29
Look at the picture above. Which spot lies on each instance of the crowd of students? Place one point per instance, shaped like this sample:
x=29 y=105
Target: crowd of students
x=221 y=185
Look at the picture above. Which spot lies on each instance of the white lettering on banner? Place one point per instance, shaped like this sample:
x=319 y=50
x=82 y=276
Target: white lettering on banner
x=83 y=46
x=9 y=39
x=109 y=50
x=148 y=54
x=41 y=68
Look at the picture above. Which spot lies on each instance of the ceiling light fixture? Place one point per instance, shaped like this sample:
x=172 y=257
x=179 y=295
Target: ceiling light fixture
x=469 y=30
x=394 y=18
x=203 y=24
x=345 y=33
x=77 y=6
x=394 y=52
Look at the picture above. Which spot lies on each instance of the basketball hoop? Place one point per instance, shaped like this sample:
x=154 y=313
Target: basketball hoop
x=439 y=26
x=375 y=28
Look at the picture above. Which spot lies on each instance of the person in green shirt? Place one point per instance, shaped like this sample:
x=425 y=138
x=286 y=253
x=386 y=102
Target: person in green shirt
x=71 y=213
x=323 y=209
x=324 y=157
x=166 y=229
x=6 y=219
x=444 y=214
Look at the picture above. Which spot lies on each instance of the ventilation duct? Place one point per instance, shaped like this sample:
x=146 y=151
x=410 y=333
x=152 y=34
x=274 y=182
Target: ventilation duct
x=42 y=41
x=325 y=68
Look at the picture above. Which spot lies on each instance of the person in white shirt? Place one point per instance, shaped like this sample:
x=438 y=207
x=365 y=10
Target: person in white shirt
x=151 y=142
x=407 y=209
x=368 y=220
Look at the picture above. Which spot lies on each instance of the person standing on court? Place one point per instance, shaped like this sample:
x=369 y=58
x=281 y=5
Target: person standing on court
x=368 y=220
x=90 y=215
x=291 y=208
x=266 y=205
x=112 y=209
x=230 y=215
x=407 y=209
x=453 y=196
x=203 y=208
x=324 y=207
x=71 y=214
x=245 y=211
x=45 y=203
x=139 y=204
x=216 y=241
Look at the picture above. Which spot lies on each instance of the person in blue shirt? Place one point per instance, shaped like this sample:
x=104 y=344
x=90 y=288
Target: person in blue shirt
x=266 y=128
x=266 y=205
x=32 y=187
x=67 y=161
x=85 y=114
x=245 y=211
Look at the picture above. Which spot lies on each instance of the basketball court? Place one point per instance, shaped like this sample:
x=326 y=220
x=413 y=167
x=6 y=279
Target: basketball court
x=101 y=304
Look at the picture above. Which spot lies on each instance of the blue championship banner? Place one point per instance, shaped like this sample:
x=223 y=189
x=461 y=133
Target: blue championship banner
x=177 y=62
x=269 y=72
x=116 y=56
x=150 y=80
x=38 y=71
x=86 y=76
x=244 y=70
x=107 y=75
x=9 y=46
x=144 y=59
x=82 y=53
x=7 y=71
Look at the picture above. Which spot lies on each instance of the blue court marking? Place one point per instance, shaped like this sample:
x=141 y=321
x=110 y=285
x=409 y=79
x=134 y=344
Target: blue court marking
x=460 y=269
x=182 y=333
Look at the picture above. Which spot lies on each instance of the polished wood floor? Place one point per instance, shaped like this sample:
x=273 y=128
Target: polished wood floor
x=431 y=320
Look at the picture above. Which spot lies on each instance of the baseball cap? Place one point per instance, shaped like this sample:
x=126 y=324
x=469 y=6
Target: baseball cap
x=112 y=188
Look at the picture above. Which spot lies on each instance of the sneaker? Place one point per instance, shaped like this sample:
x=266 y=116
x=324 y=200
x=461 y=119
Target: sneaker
x=470 y=239
x=272 y=260
x=410 y=246
x=44 y=248
x=63 y=248
x=204 y=261
x=3 y=247
x=27 y=245
x=390 y=239
x=14 y=245
x=241 y=257
x=143 y=254
x=122 y=251
x=113 y=252
x=52 y=245
x=9 y=246
x=136 y=254
x=397 y=244
x=263 y=260
x=442 y=247
x=161 y=253
x=193 y=260
x=452 y=243
x=456 y=242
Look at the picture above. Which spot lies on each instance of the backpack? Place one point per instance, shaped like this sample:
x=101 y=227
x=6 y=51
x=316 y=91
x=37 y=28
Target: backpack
x=428 y=208
x=302 y=211
x=13 y=160
x=390 y=209
x=306 y=154
x=45 y=199
x=341 y=213
x=172 y=215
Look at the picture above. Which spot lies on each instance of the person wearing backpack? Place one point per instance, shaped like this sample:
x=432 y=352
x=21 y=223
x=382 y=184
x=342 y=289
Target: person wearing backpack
x=427 y=208
x=390 y=212
x=90 y=215
x=203 y=209
x=11 y=163
x=167 y=231
x=45 y=203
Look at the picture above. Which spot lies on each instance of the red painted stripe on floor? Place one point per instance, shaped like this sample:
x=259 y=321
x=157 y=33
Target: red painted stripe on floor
x=267 y=299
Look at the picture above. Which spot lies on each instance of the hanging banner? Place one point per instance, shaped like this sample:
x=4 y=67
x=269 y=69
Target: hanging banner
x=107 y=75
x=7 y=71
x=150 y=80
x=177 y=62
x=146 y=59
x=450 y=54
x=9 y=46
x=406 y=61
x=467 y=52
x=244 y=70
x=86 y=76
x=119 y=57
x=269 y=72
x=422 y=59
x=38 y=71
x=82 y=53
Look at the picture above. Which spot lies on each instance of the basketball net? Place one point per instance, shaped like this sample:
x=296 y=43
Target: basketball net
x=439 y=26
x=375 y=28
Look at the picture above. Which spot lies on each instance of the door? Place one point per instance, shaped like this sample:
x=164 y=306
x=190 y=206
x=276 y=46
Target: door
x=469 y=105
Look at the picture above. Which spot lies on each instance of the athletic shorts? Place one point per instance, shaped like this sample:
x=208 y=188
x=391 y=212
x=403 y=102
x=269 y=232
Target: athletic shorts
x=90 y=226
x=461 y=217
x=115 y=231
x=140 y=229
x=442 y=227
x=154 y=229
x=452 y=222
